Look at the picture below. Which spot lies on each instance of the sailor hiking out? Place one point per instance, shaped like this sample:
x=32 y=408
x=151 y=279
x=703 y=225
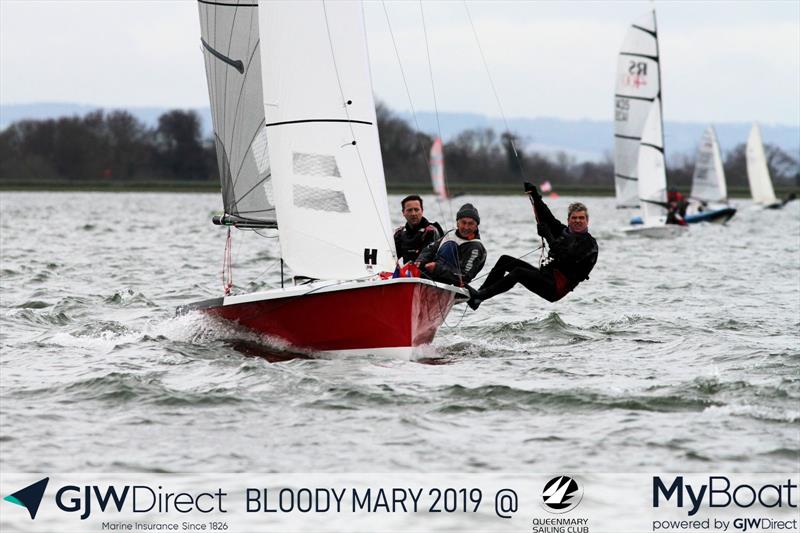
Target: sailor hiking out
x=418 y=232
x=457 y=257
x=573 y=254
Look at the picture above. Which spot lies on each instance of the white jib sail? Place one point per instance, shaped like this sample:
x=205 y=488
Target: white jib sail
x=757 y=171
x=708 y=180
x=330 y=192
x=638 y=84
x=651 y=169
x=437 y=170
x=230 y=42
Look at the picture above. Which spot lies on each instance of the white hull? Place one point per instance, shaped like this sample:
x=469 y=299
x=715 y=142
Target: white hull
x=660 y=231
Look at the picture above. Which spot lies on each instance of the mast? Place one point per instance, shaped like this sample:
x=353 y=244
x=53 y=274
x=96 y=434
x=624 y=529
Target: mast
x=660 y=88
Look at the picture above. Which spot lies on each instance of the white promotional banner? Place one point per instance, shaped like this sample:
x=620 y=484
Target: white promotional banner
x=538 y=503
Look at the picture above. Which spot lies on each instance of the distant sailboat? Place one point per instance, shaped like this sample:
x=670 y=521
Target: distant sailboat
x=639 y=167
x=297 y=146
x=708 y=183
x=437 y=171
x=758 y=172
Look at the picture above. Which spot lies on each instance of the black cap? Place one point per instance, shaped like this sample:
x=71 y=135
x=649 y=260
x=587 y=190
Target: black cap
x=468 y=210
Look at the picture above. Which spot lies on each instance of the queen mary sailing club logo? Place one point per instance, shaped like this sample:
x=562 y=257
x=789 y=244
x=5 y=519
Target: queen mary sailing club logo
x=561 y=494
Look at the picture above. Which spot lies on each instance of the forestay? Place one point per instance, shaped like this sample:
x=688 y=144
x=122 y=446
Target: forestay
x=651 y=170
x=757 y=171
x=638 y=84
x=230 y=42
x=328 y=180
x=708 y=180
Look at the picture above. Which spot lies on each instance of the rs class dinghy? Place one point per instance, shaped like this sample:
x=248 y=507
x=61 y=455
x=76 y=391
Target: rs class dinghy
x=709 y=194
x=758 y=172
x=709 y=190
x=639 y=169
x=297 y=146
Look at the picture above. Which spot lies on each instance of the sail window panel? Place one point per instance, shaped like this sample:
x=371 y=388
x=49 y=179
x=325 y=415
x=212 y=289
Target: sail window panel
x=315 y=165
x=637 y=77
x=259 y=151
x=320 y=199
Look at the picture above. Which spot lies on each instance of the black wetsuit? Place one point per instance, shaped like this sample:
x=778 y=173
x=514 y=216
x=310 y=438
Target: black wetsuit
x=458 y=260
x=410 y=240
x=572 y=256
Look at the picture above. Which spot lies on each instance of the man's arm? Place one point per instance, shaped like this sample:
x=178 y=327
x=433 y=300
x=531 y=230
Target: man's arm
x=547 y=225
x=428 y=253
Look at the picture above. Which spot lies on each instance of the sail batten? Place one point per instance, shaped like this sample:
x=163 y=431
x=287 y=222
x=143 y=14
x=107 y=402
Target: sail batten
x=231 y=46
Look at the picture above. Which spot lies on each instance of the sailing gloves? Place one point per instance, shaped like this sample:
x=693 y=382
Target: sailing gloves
x=531 y=189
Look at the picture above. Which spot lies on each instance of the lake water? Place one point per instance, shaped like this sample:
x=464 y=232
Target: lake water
x=677 y=355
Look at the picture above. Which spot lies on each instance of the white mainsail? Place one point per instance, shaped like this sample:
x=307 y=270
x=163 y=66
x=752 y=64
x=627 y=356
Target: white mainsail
x=757 y=170
x=437 y=170
x=637 y=87
x=230 y=40
x=708 y=180
x=651 y=169
x=329 y=187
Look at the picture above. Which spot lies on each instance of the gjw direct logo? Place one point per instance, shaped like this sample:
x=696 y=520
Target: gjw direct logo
x=561 y=494
x=30 y=497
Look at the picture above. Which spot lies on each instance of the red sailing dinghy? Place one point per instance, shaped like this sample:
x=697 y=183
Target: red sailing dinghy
x=297 y=146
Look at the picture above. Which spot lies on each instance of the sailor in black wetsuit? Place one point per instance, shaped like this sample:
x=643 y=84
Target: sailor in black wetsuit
x=573 y=253
x=409 y=240
x=457 y=257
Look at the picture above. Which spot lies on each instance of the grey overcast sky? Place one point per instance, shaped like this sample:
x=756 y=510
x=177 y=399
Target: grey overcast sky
x=722 y=61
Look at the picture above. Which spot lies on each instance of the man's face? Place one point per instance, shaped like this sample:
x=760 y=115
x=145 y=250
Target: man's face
x=412 y=211
x=467 y=226
x=578 y=221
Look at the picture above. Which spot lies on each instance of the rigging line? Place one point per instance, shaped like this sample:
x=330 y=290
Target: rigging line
x=433 y=91
x=497 y=98
x=411 y=104
x=386 y=231
x=265 y=271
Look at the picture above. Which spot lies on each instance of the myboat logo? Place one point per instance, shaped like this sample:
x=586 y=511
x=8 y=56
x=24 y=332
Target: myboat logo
x=30 y=497
x=561 y=495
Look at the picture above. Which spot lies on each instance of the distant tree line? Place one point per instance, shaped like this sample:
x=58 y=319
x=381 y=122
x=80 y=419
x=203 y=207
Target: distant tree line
x=113 y=146
x=116 y=147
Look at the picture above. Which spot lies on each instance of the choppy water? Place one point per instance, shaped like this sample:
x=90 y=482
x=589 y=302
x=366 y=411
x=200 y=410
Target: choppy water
x=677 y=355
